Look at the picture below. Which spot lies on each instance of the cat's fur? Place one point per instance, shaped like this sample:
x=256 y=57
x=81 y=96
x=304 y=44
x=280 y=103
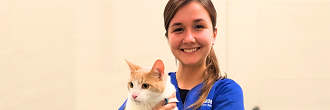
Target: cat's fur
x=148 y=86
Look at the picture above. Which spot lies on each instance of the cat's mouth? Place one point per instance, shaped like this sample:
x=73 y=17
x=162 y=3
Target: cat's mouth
x=138 y=102
x=190 y=49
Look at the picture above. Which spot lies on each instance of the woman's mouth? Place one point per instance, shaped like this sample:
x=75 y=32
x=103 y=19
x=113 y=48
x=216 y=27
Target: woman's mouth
x=190 y=50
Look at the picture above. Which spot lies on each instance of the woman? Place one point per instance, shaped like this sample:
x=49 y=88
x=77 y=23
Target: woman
x=191 y=32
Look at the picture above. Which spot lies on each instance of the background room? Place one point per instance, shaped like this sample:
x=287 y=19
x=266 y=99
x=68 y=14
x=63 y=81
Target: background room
x=69 y=54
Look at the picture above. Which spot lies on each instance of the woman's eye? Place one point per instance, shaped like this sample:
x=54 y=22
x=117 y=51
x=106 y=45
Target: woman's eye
x=199 y=26
x=130 y=84
x=178 y=30
x=145 y=86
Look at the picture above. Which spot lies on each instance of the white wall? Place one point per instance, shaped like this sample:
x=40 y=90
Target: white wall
x=279 y=52
x=69 y=54
x=37 y=55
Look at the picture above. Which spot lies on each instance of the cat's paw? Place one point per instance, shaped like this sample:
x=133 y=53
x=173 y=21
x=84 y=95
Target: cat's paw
x=173 y=100
x=176 y=108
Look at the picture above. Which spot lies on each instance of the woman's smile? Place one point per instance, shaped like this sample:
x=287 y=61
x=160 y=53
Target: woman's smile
x=190 y=50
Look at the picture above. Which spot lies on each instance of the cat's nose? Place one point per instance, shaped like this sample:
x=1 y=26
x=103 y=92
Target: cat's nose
x=134 y=96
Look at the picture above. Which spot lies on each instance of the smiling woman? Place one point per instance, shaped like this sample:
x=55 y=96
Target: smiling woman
x=191 y=33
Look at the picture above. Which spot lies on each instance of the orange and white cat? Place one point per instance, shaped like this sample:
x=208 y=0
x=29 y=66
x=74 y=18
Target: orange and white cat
x=148 y=86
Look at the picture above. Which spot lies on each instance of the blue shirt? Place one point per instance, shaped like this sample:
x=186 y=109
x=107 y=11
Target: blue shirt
x=225 y=94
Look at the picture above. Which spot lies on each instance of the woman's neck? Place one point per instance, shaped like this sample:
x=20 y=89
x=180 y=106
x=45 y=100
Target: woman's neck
x=190 y=76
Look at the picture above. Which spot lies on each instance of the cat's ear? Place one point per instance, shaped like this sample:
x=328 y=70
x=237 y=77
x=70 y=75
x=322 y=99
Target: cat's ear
x=132 y=66
x=158 y=69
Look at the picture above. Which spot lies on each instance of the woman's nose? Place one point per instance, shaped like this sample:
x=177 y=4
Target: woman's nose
x=189 y=38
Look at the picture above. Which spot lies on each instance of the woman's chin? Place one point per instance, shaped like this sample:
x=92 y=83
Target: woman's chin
x=190 y=63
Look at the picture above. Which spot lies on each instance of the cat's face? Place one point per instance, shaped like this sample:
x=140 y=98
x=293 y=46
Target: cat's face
x=142 y=87
x=146 y=83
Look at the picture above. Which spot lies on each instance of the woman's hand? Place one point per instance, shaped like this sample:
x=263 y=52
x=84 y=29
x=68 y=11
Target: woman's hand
x=169 y=106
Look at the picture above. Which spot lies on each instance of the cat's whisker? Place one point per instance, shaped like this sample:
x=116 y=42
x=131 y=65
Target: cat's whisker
x=144 y=106
x=149 y=104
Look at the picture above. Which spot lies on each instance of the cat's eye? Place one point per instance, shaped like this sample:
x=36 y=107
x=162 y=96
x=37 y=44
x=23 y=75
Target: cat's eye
x=145 y=86
x=130 y=84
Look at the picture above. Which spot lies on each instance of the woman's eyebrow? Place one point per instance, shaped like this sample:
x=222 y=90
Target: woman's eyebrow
x=195 y=21
x=198 y=20
x=176 y=24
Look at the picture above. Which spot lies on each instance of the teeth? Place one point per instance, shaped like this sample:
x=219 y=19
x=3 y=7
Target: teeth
x=190 y=50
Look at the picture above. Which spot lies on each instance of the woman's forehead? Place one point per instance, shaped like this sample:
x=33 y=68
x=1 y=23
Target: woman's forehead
x=192 y=12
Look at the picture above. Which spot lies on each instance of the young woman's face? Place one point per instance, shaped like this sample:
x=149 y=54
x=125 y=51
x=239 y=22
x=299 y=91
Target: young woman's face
x=191 y=34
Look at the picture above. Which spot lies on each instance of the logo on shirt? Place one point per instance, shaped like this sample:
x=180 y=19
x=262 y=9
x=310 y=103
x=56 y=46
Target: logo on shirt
x=208 y=102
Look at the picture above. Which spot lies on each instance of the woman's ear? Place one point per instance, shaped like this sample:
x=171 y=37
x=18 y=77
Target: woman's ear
x=214 y=35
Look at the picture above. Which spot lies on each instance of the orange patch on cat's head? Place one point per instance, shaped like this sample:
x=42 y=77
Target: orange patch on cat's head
x=153 y=76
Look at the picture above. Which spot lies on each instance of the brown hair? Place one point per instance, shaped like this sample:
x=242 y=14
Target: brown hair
x=212 y=71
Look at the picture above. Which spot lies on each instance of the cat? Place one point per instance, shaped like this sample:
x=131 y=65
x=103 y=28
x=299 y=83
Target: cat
x=148 y=86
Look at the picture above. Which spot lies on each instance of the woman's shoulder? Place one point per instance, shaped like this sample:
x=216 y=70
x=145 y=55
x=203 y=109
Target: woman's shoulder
x=226 y=85
x=227 y=95
x=226 y=82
